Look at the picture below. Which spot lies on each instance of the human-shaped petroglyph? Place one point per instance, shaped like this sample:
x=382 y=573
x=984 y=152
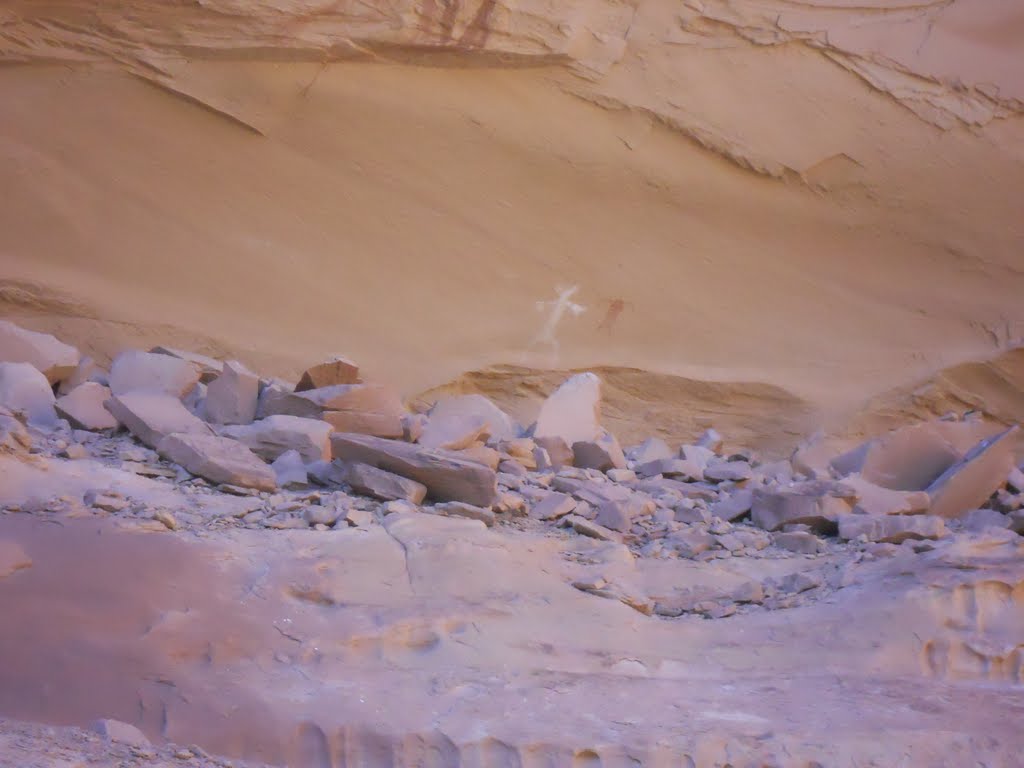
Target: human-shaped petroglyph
x=556 y=310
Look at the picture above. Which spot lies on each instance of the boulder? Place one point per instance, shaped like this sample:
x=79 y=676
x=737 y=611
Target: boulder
x=122 y=733
x=573 y=411
x=368 y=409
x=218 y=459
x=697 y=455
x=151 y=416
x=733 y=506
x=980 y=519
x=558 y=453
x=811 y=458
x=553 y=506
x=337 y=370
x=453 y=418
x=801 y=542
x=381 y=484
x=874 y=500
x=614 y=515
x=670 y=468
x=891 y=529
x=721 y=471
x=208 y=367
x=585 y=527
x=134 y=371
x=911 y=458
x=270 y=437
x=711 y=440
x=601 y=454
x=651 y=449
x=446 y=476
x=231 y=397
x=462 y=509
x=86 y=370
x=83 y=407
x=480 y=454
x=968 y=483
x=290 y=470
x=814 y=504
x=273 y=393
x=48 y=355
x=23 y=389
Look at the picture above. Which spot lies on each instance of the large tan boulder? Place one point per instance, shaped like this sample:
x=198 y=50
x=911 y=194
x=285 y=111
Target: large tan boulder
x=134 y=371
x=381 y=484
x=231 y=397
x=969 y=482
x=23 y=389
x=370 y=409
x=83 y=407
x=151 y=416
x=219 y=460
x=573 y=411
x=817 y=504
x=446 y=476
x=275 y=435
x=47 y=354
x=455 y=422
x=337 y=370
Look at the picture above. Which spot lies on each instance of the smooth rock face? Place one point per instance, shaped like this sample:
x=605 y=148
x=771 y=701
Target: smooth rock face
x=24 y=389
x=368 y=409
x=270 y=437
x=875 y=500
x=601 y=454
x=231 y=397
x=381 y=484
x=557 y=453
x=447 y=477
x=573 y=411
x=969 y=483
x=152 y=372
x=337 y=370
x=614 y=515
x=452 y=418
x=891 y=528
x=151 y=416
x=911 y=458
x=83 y=407
x=219 y=460
x=86 y=370
x=48 y=355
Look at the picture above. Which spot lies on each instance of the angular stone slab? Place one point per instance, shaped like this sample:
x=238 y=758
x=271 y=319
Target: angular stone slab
x=447 y=477
x=47 y=354
x=601 y=454
x=811 y=504
x=651 y=449
x=151 y=416
x=270 y=437
x=135 y=371
x=337 y=370
x=874 y=500
x=381 y=484
x=553 y=506
x=369 y=409
x=969 y=482
x=219 y=460
x=468 y=511
x=891 y=529
x=83 y=407
x=231 y=397
x=573 y=411
x=209 y=368
x=671 y=468
x=24 y=389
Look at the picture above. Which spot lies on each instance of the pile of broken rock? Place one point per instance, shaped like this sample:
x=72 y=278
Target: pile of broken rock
x=334 y=451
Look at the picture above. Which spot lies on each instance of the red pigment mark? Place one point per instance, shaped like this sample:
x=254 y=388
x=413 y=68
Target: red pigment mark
x=479 y=29
x=615 y=308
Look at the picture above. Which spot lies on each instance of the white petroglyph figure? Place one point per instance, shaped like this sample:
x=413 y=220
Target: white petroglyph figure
x=556 y=311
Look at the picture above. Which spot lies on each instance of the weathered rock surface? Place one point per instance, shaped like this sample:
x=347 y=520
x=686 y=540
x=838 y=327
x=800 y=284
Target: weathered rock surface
x=573 y=411
x=23 y=389
x=369 y=409
x=381 y=484
x=969 y=482
x=337 y=370
x=469 y=511
x=83 y=407
x=121 y=732
x=452 y=419
x=134 y=371
x=891 y=528
x=874 y=500
x=209 y=368
x=651 y=449
x=48 y=355
x=86 y=370
x=14 y=438
x=671 y=468
x=553 y=506
x=218 y=459
x=270 y=437
x=446 y=476
x=290 y=470
x=556 y=453
x=151 y=416
x=231 y=397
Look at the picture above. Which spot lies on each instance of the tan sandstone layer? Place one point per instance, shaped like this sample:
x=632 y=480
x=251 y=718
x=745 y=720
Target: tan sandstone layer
x=817 y=201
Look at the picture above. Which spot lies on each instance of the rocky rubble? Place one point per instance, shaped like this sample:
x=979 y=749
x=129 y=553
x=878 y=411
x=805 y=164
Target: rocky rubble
x=336 y=452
